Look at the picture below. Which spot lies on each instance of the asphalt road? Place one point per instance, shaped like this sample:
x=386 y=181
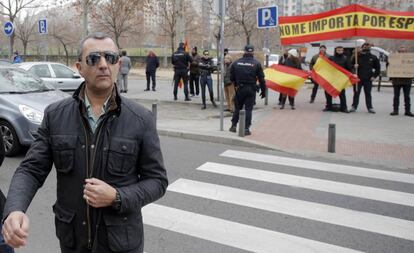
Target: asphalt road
x=229 y=199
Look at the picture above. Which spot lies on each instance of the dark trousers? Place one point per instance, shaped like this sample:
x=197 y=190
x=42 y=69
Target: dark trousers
x=342 y=100
x=245 y=97
x=4 y=248
x=291 y=100
x=178 y=75
x=206 y=80
x=406 y=90
x=194 y=84
x=314 y=90
x=150 y=77
x=367 y=86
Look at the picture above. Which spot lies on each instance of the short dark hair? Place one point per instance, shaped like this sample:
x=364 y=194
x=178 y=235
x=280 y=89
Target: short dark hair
x=322 y=46
x=124 y=53
x=97 y=36
x=226 y=50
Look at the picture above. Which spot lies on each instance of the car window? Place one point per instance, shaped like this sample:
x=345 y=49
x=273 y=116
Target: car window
x=16 y=80
x=40 y=70
x=62 y=71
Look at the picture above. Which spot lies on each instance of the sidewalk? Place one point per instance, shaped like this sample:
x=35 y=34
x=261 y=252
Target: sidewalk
x=362 y=137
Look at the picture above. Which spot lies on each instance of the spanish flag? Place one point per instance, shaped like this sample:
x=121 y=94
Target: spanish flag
x=285 y=80
x=332 y=77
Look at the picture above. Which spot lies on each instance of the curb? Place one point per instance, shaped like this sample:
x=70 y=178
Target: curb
x=216 y=139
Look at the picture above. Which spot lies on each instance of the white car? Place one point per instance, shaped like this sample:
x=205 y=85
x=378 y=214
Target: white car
x=53 y=73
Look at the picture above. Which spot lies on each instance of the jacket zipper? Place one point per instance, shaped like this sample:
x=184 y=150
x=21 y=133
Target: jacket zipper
x=87 y=173
x=89 y=170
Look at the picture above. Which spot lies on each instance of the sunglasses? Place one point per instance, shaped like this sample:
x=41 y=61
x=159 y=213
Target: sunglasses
x=93 y=58
x=206 y=54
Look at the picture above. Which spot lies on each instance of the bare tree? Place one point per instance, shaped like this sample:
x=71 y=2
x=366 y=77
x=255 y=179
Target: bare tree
x=118 y=17
x=243 y=14
x=63 y=30
x=168 y=12
x=25 y=30
x=11 y=9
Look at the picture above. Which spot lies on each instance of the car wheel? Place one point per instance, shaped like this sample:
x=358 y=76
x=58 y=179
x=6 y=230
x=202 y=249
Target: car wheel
x=11 y=141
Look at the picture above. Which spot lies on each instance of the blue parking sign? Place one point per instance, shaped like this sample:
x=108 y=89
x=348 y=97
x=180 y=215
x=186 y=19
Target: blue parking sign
x=8 y=28
x=267 y=17
x=42 y=26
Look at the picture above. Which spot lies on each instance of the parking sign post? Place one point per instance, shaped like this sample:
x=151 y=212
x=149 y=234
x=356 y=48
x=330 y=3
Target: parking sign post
x=42 y=28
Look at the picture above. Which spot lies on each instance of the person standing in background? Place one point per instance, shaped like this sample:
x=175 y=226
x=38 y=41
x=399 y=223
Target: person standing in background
x=228 y=84
x=322 y=50
x=124 y=67
x=181 y=61
x=194 y=73
x=206 y=67
x=152 y=63
x=294 y=62
x=405 y=85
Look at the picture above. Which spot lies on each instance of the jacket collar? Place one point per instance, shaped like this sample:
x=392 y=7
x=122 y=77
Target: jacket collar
x=114 y=101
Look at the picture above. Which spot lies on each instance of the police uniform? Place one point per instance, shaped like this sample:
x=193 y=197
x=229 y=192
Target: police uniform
x=181 y=61
x=244 y=73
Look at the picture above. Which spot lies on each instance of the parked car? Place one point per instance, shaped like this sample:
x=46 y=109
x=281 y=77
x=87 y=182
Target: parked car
x=23 y=98
x=56 y=74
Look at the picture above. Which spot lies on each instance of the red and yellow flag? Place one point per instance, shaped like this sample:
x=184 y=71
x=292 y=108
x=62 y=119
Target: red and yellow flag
x=332 y=77
x=285 y=80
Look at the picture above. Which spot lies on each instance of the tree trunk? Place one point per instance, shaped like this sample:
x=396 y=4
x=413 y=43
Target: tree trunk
x=24 y=47
x=172 y=37
x=84 y=18
x=247 y=39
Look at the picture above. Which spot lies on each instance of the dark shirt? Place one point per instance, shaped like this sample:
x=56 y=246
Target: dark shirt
x=181 y=59
x=206 y=66
x=368 y=66
x=152 y=63
x=194 y=67
x=342 y=61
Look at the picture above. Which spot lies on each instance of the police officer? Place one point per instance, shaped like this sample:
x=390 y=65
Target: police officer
x=368 y=67
x=244 y=73
x=181 y=61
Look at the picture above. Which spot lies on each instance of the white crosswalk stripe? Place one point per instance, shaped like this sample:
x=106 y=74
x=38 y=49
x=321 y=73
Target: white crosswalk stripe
x=304 y=209
x=401 y=198
x=321 y=166
x=232 y=233
x=258 y=239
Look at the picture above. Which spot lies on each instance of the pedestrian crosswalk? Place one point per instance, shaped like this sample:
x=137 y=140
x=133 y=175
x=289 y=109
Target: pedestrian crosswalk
x=248 y=237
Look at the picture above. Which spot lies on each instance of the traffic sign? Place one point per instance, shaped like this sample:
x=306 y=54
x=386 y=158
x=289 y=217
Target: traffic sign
x=8 y=28
x=267 y=17
x=42 y=26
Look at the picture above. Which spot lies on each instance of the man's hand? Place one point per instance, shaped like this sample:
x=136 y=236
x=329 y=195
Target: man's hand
x=16 y=229
x=97 y=193
x=263 y=94
x=372 y=79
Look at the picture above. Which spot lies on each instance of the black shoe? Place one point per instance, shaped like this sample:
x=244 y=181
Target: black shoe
x=146 y=89
x=247 y=132
x=214 y=103
x=292 y=107
x=153 y=89
x=327 y=109
x=353 y=109
x=370 y=110
x=191 y=95
x=312 y=100
x=175 y=97
x=203 y=107
x=394 y=113
x=187 y=99
x=344 y=110
x=282 y=107
x=409 y=114
x=232 y=128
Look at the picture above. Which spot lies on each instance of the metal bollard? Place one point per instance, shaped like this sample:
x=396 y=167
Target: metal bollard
x=267 y=96
x=331 y=138
x=242 y=122
x=154 y=112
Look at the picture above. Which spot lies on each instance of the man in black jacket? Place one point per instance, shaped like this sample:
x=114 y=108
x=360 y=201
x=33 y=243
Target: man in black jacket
x=152 y=63
x=108 y=161
x=206 y=67
x=181 y=61
x=368 y=68
x=244 y=73
x=322 y=50
x=195 y=73
x=4 y=248
x=340 y=59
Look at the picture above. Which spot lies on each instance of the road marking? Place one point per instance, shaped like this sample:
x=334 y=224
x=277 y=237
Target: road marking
x=324 y=213
x=365 y=192
x=232 y=234
x=322 y=166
